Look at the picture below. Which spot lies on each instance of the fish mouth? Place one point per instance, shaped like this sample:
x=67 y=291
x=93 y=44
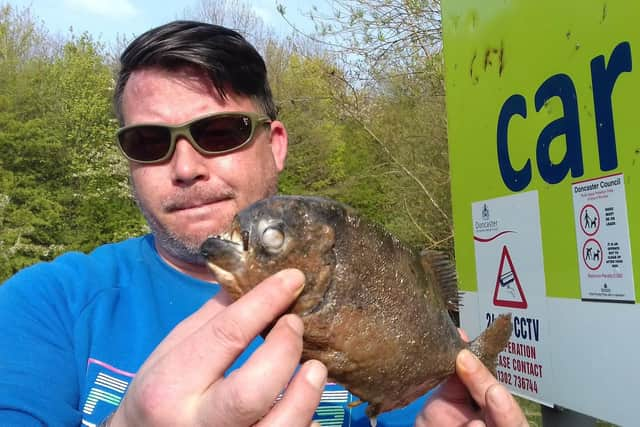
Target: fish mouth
x=225 y=255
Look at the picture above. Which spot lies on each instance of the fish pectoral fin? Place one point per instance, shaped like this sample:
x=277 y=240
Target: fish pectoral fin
x=317 y=332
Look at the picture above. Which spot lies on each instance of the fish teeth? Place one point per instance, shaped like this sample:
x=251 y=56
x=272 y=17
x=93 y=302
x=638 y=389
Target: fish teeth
x=224 y=236
x=235 y=236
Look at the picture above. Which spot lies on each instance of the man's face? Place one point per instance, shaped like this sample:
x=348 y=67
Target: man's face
x=190 y=196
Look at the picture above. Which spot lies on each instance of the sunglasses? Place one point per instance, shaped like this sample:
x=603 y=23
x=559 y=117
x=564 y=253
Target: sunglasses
x=212 y=134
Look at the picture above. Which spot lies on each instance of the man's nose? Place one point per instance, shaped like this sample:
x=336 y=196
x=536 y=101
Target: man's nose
x=187 y=164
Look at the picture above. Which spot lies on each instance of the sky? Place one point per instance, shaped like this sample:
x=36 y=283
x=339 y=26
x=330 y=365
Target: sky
x=106 y=19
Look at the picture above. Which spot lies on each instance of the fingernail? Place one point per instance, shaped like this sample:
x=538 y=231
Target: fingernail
x=498 y=396
x=467 y=361
x=293 y=279
x=316 y=374
x=315 y=424
x=295 y=323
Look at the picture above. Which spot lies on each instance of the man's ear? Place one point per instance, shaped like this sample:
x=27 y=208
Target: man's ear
x=279 y=144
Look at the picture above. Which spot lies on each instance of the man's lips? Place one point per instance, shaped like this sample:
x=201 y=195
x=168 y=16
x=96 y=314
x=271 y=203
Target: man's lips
x=186 y=200
x=176 y=207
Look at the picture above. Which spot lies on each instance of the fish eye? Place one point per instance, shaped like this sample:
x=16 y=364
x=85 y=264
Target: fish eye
x=272 y=238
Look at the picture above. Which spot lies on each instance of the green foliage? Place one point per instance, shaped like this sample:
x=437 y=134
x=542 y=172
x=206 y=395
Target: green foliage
x=388 y=89
x=410 y=122
x=373 y=35
x=97 y=174
x=329 y=153
x=378 y=146
x=63 y=186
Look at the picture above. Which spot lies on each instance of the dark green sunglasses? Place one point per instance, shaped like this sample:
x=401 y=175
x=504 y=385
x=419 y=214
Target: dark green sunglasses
x=211 y=134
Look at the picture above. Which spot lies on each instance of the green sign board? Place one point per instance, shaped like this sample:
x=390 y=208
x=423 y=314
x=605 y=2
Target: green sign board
x=544 y=139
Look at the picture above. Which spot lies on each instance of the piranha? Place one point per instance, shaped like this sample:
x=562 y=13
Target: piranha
x=374 y=312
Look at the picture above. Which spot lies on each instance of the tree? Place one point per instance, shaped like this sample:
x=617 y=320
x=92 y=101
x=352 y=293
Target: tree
x=410 y=125
x=62 y=184
x=102 y=207
x=371 y=36
x=392 y=80
x=329 y=154
x=236 y=15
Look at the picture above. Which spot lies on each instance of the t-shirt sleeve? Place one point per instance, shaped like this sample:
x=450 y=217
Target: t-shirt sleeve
x=38 y=381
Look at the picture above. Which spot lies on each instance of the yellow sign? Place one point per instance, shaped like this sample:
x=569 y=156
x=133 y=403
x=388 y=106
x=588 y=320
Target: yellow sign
x=544 y=137
x=542 y=95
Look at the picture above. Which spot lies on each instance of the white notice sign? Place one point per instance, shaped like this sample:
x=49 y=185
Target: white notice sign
x=602 y=232
x=510 y=271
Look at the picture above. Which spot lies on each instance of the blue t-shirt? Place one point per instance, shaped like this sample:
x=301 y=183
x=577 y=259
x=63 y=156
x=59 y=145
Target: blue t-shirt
x=76 y=330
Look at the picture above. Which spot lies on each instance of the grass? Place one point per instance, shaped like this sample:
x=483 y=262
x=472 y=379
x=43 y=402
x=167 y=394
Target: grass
x=531 y=411
x=534 y=415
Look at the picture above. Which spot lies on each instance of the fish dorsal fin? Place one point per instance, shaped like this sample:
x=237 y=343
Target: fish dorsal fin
x=439 y=266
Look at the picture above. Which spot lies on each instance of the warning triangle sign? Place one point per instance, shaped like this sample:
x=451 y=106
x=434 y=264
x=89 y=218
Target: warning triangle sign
x=508 y=291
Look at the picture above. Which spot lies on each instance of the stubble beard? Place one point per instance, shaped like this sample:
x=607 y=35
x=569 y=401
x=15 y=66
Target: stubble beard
x=184 y=247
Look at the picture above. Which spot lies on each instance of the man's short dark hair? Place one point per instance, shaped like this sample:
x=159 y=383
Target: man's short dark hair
x=229 y=60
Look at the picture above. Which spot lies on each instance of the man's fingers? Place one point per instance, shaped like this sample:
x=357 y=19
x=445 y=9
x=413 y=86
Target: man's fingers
x=249 y=392
x=450 y=405
x=452 y=390
x=277 y=358
x=474 y=375
x=211 y=349
x=502 y=410
x=463 y=335
x=301 y=398
x=234 y=328
x=189 y=325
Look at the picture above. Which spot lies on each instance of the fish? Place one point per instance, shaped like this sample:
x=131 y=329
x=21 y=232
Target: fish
x=375 y=312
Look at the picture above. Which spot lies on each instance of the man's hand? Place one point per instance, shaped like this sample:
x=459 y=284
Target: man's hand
x=182 y=382
x=451 y=404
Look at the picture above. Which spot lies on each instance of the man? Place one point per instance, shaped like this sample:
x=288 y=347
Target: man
x=142 y=316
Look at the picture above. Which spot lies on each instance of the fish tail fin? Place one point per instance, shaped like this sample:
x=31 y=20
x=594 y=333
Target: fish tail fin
x=492 y=341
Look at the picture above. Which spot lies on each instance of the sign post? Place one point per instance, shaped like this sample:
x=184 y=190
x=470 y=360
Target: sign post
x=545 y=165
